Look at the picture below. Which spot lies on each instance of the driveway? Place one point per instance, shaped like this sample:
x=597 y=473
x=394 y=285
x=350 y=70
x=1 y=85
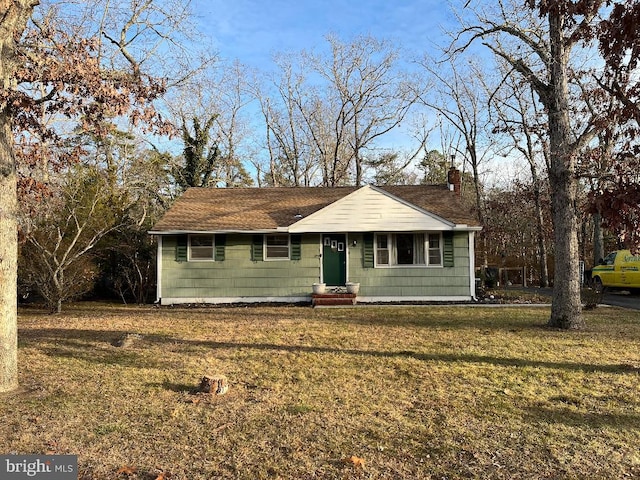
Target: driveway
x=622 y=299
x=615 y=298
x=619 y=298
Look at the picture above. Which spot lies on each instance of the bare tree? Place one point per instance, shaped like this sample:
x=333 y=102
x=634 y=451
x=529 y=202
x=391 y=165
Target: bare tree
x=292 y=162
x=92 y=65
x=462 y=102
x=543 y=59
x=371 y=95
x=232 y=126
x=517 y=116
x=333 y=109
x=210 y=109
x=60 y=237
x=597 y=166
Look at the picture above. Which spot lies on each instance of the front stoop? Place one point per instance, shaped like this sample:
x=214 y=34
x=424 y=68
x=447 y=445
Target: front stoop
x=325 y=299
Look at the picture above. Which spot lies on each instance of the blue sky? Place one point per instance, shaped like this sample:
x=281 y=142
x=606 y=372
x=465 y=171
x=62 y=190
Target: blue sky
x=251 y=31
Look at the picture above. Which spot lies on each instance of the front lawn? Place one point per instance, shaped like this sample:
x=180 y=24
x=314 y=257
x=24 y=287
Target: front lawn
x=374 y=392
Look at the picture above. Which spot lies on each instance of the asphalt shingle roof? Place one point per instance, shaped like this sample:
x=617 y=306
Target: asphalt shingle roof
x=256 y=209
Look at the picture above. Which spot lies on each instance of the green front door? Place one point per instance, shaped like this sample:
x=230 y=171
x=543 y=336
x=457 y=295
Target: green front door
x=334 y=259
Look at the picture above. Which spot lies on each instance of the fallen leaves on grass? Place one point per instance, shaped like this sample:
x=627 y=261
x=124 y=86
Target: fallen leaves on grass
x=126 y=470
x=51 y=448
x=354 y=461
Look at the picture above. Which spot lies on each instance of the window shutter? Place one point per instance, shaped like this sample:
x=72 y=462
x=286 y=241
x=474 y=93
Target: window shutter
x=447 y=252
x=296 y=247
x=367 y=250
x=181 y=248
x=220 y=243
x=256 y=248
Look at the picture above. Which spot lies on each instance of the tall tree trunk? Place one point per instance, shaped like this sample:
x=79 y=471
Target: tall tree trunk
x=8 y=259
x=566 y=305
x=471 y=149
x=542 y=246
x=13 y=19
x=598 y=239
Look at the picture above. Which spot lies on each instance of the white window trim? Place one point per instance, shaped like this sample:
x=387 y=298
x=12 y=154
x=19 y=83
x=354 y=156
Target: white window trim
x=392 y=246
x=265 y=248
x=213 y=248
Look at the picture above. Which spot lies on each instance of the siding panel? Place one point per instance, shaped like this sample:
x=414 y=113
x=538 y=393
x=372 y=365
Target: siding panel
x=368 y=210
x=238 y=275
x=412 y=281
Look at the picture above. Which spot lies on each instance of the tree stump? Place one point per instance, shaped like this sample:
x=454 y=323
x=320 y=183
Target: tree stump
x=214 y=384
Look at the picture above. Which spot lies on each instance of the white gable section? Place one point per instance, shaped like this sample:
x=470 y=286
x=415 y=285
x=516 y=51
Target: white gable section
x=370 y=209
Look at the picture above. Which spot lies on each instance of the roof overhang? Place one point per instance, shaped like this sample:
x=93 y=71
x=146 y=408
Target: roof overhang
x=455 y=228
x=194 y=232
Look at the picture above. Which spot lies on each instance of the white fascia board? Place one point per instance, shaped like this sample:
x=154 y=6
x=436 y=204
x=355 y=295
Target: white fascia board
x=466 y=228
x=291 y=229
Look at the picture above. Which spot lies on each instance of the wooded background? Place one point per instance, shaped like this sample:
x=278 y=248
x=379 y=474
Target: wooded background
x=110 y=109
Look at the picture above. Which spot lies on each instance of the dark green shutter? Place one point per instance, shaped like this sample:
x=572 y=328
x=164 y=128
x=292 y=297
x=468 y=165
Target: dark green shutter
x=220 y=243
x=296 y=247
x=367 y=250
x=181 y=248
x=447 y=251
x=256 y=248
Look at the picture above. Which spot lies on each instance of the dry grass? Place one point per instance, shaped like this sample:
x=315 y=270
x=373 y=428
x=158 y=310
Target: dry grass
x=415 y=392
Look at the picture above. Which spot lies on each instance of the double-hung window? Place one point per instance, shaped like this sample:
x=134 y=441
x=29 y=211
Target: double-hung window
x=201 y=247
x=400 y=249
x=434 y=248
x=277 y=247
x=382 y=249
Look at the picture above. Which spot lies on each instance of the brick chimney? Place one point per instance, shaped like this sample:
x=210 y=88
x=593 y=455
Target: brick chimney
x=453 y=180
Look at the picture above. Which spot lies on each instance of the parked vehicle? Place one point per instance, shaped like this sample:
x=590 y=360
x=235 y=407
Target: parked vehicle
x=619 y=269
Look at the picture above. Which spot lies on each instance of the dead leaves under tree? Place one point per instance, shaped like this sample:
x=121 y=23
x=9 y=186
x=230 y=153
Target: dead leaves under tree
x=354 y=461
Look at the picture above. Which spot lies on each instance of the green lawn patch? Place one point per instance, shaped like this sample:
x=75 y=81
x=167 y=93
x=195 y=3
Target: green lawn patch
x=414 y=392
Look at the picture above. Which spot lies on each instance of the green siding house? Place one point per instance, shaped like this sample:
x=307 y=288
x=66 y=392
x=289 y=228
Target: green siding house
x=242 y=245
